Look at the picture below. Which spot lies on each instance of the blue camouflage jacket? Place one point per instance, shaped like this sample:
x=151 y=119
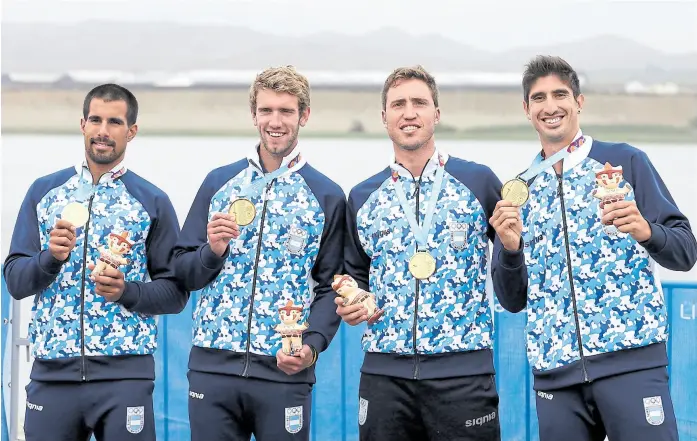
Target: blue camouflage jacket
x=594 y=302
x=440 y=326
x=76 y=334
x=290 y=251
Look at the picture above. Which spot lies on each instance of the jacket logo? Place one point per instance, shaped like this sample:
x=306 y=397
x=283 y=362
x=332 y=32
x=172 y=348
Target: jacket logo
x=294 y=419
x=534 y=241
x=362 y=411
x=297 y=239
x=458 y=235
x=653 y=408
x=135 y=419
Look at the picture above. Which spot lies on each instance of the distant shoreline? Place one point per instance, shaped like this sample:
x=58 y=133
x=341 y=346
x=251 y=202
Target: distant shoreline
x=629 y=134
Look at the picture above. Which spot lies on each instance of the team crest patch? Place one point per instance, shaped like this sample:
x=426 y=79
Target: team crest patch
x=135 y=419
x=362 y=411
x=297 y=239
x=653 y=408
x=458 y=235
x=294 y=419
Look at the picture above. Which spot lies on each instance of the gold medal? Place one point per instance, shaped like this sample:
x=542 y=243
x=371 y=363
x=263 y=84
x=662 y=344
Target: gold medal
x=515 y=191
x=75 y=213
x=244 y=211
x=422 y=265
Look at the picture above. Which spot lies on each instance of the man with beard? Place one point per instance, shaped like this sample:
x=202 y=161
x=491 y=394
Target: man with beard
x=94 y=334
x=418 y=239
x=581 y=234
x=258 y=231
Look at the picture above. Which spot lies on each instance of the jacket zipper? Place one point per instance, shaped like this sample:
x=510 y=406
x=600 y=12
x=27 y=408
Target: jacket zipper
x=254 y=280
x=416 y=295
x=560 y=179
x=83 y=370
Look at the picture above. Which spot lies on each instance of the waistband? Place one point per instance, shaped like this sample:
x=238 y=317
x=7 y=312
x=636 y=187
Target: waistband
x=601 y=366
x=220 y=361
x=428 y=367
x=74 y=369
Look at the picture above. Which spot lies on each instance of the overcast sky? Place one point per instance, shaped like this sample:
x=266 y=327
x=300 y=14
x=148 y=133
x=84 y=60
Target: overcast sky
x=670 y=26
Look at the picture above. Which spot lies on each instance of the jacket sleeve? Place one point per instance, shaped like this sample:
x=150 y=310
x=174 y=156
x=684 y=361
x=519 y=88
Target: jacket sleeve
x=323 y=319
x=510 y=276
x=195 y=264
x=356 y=260
x=672 y=243
x=28 y=268
x=162 y=294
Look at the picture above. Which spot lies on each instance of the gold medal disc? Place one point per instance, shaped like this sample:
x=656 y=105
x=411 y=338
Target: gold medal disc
x=422 y=265
x=515 y=191
x=75 y=213
x=244 y=211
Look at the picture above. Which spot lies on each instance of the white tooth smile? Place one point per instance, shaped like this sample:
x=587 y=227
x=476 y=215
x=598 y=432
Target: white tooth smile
x=276 y=134
x=552 y=120
x=409 y=128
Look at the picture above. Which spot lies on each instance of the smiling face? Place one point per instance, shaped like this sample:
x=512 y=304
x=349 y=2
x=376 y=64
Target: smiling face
x=106 y=131
x=278 y=118
x=553 y=110
x=410 y=114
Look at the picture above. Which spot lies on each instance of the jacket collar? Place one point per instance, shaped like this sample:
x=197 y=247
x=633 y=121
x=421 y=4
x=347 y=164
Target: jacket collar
x=574 y=158
x=294 y=160
x=82 y=169
x=438 y=157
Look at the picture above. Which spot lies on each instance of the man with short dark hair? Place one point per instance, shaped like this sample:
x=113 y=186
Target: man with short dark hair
x=93 y=243
x=580 y=235
x=418 y=240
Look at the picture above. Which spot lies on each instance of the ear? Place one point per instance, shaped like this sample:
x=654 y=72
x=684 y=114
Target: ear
x=304 y=117
x=384 y=118
x=580 y=100
x=254 y=118
x=526 y=109
x=132 y=132
x=82 y=125
x=437 y=115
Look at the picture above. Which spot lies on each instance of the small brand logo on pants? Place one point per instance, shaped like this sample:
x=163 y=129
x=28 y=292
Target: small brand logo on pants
x=545 y=395
x=481 y=420
x=33 y=406
x=196 y=395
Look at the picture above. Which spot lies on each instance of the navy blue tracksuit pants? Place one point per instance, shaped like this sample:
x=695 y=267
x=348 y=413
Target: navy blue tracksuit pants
x=634 y=406
x=232 y=408
x=114 y=410
x=444 y=409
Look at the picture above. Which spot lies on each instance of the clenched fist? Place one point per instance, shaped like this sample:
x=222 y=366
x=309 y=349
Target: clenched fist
x=221 y=229
x=506 y=221
x=62 y=240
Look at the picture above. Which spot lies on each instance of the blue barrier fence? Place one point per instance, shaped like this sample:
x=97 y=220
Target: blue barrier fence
x=335 y=396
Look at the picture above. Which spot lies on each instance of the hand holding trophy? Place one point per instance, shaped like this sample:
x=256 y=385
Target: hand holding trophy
x=113 y=254
x=289 y=328
x=355 y=298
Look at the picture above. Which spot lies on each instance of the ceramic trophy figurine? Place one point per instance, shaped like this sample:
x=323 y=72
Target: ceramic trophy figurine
x=118 y=245
x=610 y=190
x=291 y=332
x=348 y=289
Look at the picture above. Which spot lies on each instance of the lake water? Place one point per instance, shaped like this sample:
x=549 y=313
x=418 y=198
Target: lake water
x=178 y=165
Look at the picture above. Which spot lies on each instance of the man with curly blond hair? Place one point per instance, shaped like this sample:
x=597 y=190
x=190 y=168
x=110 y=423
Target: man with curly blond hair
x=258 y=231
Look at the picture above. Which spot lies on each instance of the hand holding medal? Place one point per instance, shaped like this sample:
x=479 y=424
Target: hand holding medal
x=221 y=229
x=507 y=223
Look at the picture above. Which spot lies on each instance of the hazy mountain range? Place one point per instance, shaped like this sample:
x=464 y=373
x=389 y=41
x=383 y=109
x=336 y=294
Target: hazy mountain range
x=125 y=46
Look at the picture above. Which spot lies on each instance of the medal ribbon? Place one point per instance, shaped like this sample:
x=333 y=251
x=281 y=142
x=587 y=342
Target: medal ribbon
x=252 y=189
x=421 y=232
x=562 y=154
